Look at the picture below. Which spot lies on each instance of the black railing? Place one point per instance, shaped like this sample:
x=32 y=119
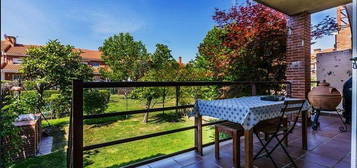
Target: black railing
x=75 y=144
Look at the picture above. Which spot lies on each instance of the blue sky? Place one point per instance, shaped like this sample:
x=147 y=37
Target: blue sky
x=180 y=24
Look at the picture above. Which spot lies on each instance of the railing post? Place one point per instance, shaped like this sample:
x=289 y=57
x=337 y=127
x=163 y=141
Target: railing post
x=288 y=89
x=254 y=89
x=77 y=124
x=198 y=134
x=177 y=96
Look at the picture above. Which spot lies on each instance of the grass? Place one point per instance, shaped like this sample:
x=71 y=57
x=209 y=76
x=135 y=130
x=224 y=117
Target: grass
x=114 y=128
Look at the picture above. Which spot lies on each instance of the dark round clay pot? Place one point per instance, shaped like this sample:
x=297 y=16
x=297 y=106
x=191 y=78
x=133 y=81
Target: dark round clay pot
x=324 y=97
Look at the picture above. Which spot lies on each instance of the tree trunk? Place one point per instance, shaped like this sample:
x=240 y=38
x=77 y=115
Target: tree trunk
x=146 y=116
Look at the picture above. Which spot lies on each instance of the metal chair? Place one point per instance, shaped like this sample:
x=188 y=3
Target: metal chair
x=277 y=128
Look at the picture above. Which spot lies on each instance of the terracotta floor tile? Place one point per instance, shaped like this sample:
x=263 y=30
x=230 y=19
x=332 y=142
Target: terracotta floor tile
x=343 y=165
x=307 y=164
x=204 y=164
x=165 y=164
x=319 y=159
x=187 y=158
x=327 y=148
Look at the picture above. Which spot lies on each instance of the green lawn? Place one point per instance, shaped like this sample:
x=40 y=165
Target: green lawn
x=114 y=128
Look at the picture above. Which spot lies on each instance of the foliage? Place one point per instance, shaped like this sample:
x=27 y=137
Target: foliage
x=126 y=58
x=162 y=67
x=257 y=39
x=327 y=27
x=95 y=101
x=29 y=85
x=30 y=102
x=248 y=44
x=10 y=138
x=59 y=105
x=212 y=55
x=53 y=66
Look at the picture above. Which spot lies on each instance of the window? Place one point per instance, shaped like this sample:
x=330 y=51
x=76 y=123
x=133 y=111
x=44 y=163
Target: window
x=16 y=60
x=95 y=64
x=16 y=77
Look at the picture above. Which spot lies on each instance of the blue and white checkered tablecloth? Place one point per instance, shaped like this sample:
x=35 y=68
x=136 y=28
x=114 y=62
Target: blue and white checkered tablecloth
x=247 y=111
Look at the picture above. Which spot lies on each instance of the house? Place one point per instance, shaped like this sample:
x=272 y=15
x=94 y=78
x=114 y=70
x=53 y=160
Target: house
x=12 y=54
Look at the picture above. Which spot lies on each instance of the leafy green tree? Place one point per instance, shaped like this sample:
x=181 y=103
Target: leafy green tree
x=162 y=58
x=54 y=66
x=213 y=55
x=126 y=58
x=162 y=67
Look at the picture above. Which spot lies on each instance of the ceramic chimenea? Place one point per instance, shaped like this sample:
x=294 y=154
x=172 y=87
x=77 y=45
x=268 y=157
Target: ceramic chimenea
x=324 y=97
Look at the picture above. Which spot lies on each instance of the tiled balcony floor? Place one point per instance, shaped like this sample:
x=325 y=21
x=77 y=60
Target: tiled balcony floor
x=327 y=147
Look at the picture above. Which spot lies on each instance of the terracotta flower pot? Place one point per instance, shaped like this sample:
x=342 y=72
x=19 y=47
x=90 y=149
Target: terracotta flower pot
x=324 y=97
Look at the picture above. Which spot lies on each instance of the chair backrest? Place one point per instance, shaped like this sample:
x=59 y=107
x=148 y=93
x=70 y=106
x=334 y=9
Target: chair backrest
x=293 y=105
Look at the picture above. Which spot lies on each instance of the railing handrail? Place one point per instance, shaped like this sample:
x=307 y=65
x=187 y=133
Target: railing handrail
x=76 y=148
x=173 y=83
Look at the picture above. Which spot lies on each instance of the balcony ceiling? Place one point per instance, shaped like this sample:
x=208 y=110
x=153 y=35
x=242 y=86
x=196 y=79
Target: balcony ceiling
x=293 y=7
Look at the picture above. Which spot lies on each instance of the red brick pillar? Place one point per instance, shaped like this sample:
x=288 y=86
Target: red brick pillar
x=299 y=55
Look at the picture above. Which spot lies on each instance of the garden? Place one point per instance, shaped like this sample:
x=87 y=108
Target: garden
x=229 y=52
x=118 y=128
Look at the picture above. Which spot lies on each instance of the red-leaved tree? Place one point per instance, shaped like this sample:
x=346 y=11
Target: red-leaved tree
x=254 y=43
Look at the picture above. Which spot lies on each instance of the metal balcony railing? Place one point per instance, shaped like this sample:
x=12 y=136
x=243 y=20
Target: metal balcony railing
x=75 y=141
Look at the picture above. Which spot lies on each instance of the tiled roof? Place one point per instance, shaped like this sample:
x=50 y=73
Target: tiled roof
x=20 y=50
x=90 y=55
x=12 y=67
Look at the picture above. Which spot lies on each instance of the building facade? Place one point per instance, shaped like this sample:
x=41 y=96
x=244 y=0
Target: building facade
x=12 y=55
x=343 y=41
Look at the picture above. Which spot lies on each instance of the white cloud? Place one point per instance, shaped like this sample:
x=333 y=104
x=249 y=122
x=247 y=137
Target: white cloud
x=107 y=24
x=103 y=22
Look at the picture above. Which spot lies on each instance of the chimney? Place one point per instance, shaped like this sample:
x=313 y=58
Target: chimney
x=180 y=60
x=11 y=40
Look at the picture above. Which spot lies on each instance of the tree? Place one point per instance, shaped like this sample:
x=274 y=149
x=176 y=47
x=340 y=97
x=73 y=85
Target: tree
x=212 y=55
x=249 y=44
x=54 y=66
x=126 y=58
x=162 y=58
x=162 y=67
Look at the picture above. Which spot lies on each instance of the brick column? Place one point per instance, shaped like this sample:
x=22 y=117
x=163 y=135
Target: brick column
x=299 y=55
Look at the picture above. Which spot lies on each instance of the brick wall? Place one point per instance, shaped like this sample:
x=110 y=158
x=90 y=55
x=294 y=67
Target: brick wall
x=31 y=136
x=298 y=54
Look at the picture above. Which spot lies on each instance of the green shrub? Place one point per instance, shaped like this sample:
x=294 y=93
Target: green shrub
x=59 y=105
x=95 y=101
x=48 y=93
x=29 y=85
x=9 y=134
x=30 y=101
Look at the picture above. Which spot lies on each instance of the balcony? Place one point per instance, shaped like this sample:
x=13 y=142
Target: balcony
x=327 y=147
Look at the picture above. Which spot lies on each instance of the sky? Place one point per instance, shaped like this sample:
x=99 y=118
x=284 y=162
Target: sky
x=180 y=24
